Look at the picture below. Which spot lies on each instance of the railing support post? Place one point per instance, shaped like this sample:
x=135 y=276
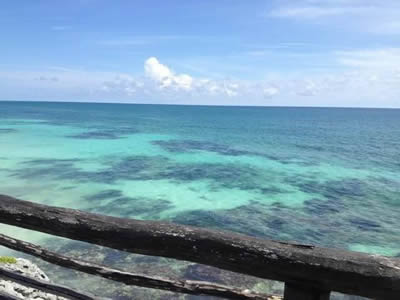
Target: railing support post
x=301 y=292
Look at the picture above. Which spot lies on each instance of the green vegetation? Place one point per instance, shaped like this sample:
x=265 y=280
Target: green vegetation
x=7 y=260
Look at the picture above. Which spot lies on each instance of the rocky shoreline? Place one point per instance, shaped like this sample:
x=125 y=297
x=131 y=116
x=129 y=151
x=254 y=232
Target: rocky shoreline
x=27 y=268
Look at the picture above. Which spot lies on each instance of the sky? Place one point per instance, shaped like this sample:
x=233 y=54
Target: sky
x=214 y=52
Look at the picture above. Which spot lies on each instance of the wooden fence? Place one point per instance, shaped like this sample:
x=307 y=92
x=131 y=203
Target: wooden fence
x=309 y=272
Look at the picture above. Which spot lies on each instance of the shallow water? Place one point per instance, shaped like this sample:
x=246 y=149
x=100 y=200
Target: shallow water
x=330 y=177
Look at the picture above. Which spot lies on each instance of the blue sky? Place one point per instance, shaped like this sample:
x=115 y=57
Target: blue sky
x=229 y=52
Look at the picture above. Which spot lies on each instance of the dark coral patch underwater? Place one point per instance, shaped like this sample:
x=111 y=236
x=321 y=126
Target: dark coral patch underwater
x=7 y=130
x=192 y=145
x=55 y=168
x=315 y=223
x=104 y=195
x=114 y=202
x=239 y=176
x=335 y=189
x=48 y=161
x=182 y=146
x=147 y=208
x=324 y=207
x=326 y=218
x=364 y=224
x=105 y=134
x=97 y=135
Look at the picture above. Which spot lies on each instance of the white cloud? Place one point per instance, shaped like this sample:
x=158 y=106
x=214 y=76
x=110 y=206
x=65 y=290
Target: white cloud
x=369 y=77
x=373 y=16
x=123 y=84
x=385 y=58
x=156 y=70
x=270 y=91
x=228 y=88
x=311 y=12
x=165 y=77
x=307 y=88
x=45 y=78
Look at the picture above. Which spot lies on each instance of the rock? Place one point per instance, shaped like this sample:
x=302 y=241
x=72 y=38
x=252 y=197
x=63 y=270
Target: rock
x=25 y=267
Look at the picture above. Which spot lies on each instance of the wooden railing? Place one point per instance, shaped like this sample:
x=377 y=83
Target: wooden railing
x=309 y=272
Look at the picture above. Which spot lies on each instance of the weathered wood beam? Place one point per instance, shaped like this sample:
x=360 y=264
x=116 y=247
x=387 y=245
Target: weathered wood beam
x=46 y=286
x=179 y=286
x=326 y=269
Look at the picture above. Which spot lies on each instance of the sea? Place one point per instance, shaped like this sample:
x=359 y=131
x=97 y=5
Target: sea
x=323 y=176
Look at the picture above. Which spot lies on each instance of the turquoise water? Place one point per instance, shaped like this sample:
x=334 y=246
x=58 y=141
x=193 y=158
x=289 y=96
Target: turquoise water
x=329 y=177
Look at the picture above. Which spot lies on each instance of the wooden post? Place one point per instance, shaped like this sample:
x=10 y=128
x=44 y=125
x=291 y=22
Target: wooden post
x=301 y=292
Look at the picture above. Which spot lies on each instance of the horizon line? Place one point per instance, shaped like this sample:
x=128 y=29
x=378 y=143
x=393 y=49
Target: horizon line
x=206 y=105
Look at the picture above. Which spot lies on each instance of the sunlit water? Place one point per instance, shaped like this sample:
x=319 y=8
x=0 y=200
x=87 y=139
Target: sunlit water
x=329 y=177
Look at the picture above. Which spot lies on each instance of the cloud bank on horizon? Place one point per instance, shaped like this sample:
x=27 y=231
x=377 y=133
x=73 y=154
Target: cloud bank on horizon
x=300 y=53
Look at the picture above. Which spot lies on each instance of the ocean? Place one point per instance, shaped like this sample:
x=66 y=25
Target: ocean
x=323 y=176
